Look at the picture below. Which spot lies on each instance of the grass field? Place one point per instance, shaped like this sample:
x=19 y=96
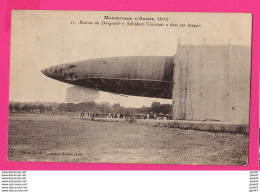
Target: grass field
x=61 y=139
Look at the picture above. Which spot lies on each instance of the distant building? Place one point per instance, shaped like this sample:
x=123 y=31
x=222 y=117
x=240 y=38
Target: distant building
x=105 y=103
x=78 y=95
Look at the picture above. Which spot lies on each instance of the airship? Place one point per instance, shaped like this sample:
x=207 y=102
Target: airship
x=146 y=76
x=204 y=82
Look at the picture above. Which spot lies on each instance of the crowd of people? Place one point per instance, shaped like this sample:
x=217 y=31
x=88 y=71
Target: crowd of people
x=124 y=116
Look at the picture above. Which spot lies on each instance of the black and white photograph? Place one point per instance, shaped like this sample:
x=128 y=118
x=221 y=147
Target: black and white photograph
x=129 y=87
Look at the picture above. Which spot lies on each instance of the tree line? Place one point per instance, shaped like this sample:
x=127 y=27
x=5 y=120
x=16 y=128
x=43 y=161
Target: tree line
x=155 y=108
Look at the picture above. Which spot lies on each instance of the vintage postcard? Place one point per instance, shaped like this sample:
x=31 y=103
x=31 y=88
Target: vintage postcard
x=130 y=87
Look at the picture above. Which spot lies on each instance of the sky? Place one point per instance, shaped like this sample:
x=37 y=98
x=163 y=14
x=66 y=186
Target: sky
x=40 y=39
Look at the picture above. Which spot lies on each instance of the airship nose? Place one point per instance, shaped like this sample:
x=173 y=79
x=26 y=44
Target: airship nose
x=50 y=72
x=59 y=72
x=54 y=72
x=43 y=71
x=46 y=71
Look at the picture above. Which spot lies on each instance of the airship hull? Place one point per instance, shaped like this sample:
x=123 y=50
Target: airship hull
x=138 y=76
